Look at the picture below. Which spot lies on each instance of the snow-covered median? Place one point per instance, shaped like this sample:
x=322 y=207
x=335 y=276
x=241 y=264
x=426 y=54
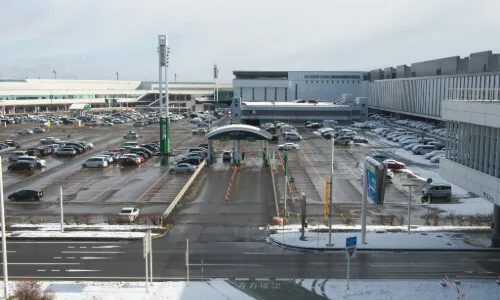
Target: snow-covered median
x=470 y=206
x=384 y=240
x=101 y=231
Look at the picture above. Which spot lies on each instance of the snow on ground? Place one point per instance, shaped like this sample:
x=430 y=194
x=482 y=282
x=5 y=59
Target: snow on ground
x=103 y=226
x=408 y=155
x=408 y=289
x=78 y=234
x=381 y=140
x=88 y=290
x=379 y=228
x=424 y=174
x=470 y=206
x=384 y=240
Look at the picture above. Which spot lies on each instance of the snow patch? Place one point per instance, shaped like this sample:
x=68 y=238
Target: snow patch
x=470 y=206
x=78 y=234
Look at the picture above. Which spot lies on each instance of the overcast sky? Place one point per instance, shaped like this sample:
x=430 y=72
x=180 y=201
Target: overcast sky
x=93 y=39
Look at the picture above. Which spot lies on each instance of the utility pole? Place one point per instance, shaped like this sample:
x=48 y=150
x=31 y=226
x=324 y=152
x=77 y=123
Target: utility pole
x=286 y=176
x=4 y=240
x=409 y=185
x=175 y=77
x=330 y=202
x=55 y=74
x=117 y=75
x=216 y=90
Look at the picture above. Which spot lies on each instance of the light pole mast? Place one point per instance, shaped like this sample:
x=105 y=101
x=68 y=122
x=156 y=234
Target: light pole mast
x=167 y=120
x=162 y=44
x=216 y=90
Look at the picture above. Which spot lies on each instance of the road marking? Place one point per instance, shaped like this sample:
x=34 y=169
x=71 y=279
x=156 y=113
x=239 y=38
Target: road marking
x=57 y=257
x=55 y=270
x=92 y=252
x=228 y=265
x=94 y=257
x=8 y=251
x=78 y=270
x=105 y=247
x=491 y=259
x=41 y=270
x=261 y=279
x=71 y=247
x=69 y=242
x=83 y=247
x=51 y=263
x=242 y=279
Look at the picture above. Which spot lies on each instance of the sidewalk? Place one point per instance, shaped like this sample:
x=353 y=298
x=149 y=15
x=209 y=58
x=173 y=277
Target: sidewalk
x=388 y=238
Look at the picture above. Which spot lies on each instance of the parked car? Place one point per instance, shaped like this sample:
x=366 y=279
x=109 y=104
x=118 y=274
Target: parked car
x=38 y=162
x=25 y=132
x=128 y=161
x=292 y=136
x=379 y=157
x=31 y=195
x=423 y=149
x=131 y=135
x=66 y=151
x=95 y=162
x=437 y=158
x=359 y=139
x=137 y=158
x=16 y=154
x=437 y=190
x=21 y=166
x=38 y=130
x=433 y=153
x=342 y=140
x=12 y=143
x=130 y=213
x=182 y=168
x=49 y=140
x=288 y=146
x=394 y=164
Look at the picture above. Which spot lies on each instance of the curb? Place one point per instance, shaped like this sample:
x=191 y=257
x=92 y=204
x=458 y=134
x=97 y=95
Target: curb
x=298 y=248
x=69 y=239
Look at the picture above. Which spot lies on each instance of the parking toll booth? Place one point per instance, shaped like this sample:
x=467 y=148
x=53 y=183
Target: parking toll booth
x=238 y=133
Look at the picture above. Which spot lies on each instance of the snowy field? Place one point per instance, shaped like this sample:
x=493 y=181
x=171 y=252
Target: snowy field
x=328 y=288
x=78 y=234
x=424 y=174
x=384 y=240
x=469 y=206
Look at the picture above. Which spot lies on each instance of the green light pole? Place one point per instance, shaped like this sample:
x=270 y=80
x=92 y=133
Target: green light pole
x=162 y=44
x=167 y=119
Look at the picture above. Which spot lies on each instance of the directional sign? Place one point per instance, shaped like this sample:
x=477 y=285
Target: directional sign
x=146 y=244
x=350 y=245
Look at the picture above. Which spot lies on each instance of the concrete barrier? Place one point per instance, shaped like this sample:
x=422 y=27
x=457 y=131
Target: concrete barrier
x=179 y=196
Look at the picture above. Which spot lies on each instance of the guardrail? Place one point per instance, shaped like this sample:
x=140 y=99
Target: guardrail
x=172 y=205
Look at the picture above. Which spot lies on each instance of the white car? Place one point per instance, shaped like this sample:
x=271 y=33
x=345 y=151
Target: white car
x=108 y=158
x=436 y=158
x=95 y=162
x=25 y=132
x=433 y=153
x=16 y=154
x=40 y=163
x=130 y=212
x=288 y=146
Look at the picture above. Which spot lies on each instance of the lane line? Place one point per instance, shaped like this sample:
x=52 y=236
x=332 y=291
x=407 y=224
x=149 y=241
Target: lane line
x=92 y=252
x=57 y=257
x=51 y=263
x=55 y=270
x=41 y=270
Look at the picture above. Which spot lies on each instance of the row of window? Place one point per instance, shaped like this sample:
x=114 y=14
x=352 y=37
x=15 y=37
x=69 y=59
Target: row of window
x=331 y=76
x=333 y=81
x=93 y=96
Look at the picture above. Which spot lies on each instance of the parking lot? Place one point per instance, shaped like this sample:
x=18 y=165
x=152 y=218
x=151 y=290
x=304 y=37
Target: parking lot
x=96 y=191
x=310 y=167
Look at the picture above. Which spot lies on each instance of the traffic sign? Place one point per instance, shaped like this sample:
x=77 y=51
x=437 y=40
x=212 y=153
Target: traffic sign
x=429 y=180
x=292 y=180
x=350 y=245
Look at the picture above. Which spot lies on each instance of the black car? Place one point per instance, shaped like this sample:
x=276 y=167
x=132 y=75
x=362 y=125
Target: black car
x=147 y=151
x=30 y=195
x=33 y=152
x=139 y=152
x=21 y=166
x=127 y=161
x=151 y=147
x=274 y=139
x=12 y=143
x=79 y=148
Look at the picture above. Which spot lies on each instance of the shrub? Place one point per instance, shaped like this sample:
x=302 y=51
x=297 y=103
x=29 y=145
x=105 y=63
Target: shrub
x=34 y=221
x=32 y=290
x=111 y=220
x=461 y=219
x=82 y=219
x=400 y=220
x=452 y=217
x=347 y=220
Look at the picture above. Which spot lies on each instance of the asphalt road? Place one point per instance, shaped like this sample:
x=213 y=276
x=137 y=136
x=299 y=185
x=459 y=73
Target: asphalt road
x=123 y=260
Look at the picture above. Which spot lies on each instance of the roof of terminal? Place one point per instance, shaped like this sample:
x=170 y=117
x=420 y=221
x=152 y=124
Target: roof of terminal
x=289 y=104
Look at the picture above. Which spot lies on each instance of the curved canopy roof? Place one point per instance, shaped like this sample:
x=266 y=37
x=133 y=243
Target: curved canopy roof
x=238 y=132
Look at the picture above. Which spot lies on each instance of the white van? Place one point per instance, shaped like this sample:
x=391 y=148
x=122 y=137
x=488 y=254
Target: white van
x=292 y=136
x=423 y=149
x=95 y=162
x=36 y=160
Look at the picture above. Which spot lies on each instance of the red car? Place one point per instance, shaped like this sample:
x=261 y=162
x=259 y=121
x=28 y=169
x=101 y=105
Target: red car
x=393 y=164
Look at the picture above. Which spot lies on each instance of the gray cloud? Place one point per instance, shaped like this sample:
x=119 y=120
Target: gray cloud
x=95 y=38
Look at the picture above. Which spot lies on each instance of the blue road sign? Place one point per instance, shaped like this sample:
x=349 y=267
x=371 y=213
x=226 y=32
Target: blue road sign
x=351 y=241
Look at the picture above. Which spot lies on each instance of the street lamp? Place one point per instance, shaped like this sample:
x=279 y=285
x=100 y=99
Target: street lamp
x=164 y=56
x=55 y=74
x=117 y=75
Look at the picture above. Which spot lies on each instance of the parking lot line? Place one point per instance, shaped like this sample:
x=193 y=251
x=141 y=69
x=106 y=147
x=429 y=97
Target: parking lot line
x=118 y=181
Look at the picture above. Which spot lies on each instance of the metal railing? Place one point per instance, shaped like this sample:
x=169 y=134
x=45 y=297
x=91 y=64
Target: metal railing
x=473 y=94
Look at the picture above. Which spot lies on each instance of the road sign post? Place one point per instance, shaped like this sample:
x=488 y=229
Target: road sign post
x=150 y=247
x=350 y=247
x=327 y=195
x=145 y=252
x=286 y=177
x=187 y=260
x=62 y=211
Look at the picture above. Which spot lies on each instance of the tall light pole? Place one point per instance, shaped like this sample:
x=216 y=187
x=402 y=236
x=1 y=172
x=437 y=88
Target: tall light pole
x=55 y=74
x=330 y=200
x=216 y=90
x=162 y=55
x=175 y=77
x=4 y=241
x=167 y=100
x=117 y=75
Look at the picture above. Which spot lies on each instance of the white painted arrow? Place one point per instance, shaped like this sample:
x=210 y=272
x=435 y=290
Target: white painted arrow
x=78 y=270
x=94 y=257
x=105 y=247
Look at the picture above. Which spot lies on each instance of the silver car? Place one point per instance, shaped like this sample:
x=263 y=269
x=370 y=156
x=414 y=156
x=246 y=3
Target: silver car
x=182 y=168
